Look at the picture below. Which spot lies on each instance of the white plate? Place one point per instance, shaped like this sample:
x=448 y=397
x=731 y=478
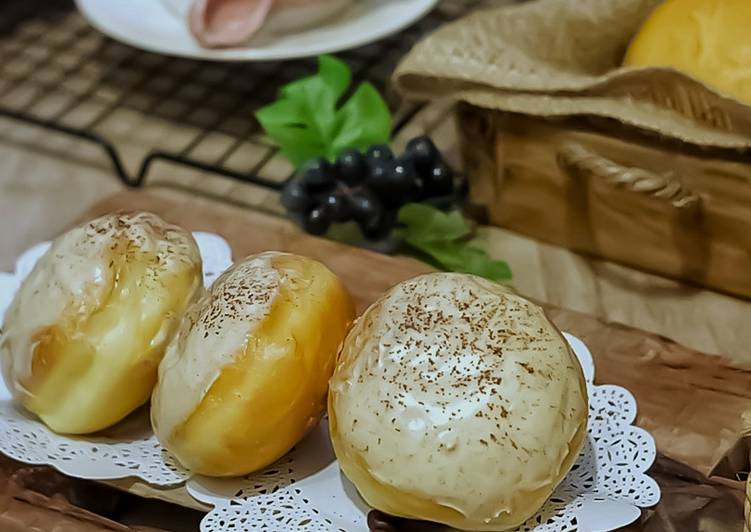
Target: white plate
x=156 y=25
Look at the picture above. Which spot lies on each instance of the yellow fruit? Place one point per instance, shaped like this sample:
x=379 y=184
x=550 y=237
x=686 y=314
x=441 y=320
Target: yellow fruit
x=707 y=39
x=84 y=336
x=246 y=376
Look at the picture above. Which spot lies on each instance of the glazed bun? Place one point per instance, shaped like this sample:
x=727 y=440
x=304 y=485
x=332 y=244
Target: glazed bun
x=84 y=336
x=246 y=376
x=456 y=401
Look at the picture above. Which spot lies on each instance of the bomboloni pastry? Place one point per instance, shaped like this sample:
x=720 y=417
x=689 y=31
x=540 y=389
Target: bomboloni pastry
x=86 y=331
x=456 y=401
x=247 y=374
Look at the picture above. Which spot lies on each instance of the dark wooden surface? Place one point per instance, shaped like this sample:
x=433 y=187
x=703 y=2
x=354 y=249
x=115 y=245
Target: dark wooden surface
x=690 y=401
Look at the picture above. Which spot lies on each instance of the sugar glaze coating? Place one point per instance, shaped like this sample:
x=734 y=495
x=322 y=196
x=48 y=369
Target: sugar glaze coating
x=213 y=333
x=456 y=400
x=98 y=309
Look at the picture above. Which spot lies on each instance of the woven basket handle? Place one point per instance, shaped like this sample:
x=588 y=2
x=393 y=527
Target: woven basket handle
x=584 y=163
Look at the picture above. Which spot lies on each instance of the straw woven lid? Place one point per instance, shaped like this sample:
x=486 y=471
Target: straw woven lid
x=561 y=58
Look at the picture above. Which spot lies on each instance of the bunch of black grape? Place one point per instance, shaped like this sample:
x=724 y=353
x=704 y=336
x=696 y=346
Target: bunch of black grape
x=367 y=188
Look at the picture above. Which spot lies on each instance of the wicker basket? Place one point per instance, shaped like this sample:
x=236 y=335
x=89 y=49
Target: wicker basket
x=643 y=166
x=599 y=189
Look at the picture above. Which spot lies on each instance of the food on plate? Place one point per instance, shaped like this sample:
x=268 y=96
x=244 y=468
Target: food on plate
x=455 y=400
x=86 y=331
x=246 y=376
x=225 y=23
x=707 y=39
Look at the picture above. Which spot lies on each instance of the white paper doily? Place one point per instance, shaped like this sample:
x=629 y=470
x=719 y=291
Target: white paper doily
x=306 y=491
x=129 y=449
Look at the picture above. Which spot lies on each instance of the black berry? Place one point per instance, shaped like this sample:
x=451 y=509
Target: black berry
x=379 y=152
x=388 y=183
x=338 y=204
x=317 y=221
x=367 y=188
x=404 y=170
x=351 y=167
x=416 y=190
x=365 y=206
x=378 y=226
x=295 y=197
x=379 y=170
x=440 y=180
x=423 y=153
x=411 y=185
x=318 y=175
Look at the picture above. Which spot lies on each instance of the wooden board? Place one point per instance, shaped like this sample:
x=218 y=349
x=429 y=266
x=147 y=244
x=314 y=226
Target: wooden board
x=690 y=401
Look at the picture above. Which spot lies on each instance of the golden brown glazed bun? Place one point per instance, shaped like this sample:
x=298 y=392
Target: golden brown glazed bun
x=456 y=401
x=85 y=333
x=246 y=376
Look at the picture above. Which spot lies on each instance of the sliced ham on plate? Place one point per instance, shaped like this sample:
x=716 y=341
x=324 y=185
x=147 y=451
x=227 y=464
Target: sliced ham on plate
x=225 y=23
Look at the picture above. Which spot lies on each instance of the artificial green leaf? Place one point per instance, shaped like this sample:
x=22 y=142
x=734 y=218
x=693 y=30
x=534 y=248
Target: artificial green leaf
x=326 y=87
x=277 y=114
x=424 y=223
x=365 y=120
x=443 y=237
x=307 y=121
x=459 y=257
x=297 y=146
x=476 y=261
x=316 y=98
x=298 y=143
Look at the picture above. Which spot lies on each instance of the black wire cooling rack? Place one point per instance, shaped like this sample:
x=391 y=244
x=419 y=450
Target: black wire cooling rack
x=60 y=74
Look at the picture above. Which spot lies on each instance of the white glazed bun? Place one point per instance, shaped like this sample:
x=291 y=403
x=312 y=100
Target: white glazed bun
x=456 y=401
x=247 y=374
x=87 y=329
